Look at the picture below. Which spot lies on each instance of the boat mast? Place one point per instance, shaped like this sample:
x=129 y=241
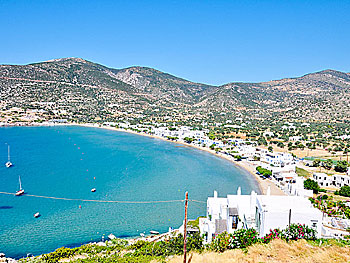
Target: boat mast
x=20 y=185
x=8 y=152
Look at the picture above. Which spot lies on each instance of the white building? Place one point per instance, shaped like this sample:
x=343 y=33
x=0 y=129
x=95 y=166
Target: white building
x=337 y=180
x=295 y=138
x=297 y=188
x=340 y=180
x=276 y=159
x=323 y=179
x=268 y=133
x=246 y=151
x=261 y=212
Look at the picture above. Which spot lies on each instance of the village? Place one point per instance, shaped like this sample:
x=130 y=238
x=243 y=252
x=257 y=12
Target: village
x=298 y=185
x=293 y=200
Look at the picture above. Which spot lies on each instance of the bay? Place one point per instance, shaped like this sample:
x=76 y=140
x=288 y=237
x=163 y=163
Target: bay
x=68 y=161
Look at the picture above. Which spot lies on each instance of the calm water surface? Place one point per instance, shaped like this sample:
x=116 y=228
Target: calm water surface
x=69 y=161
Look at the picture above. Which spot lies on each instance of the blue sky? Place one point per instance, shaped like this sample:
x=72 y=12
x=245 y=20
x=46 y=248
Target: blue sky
x=213 y=42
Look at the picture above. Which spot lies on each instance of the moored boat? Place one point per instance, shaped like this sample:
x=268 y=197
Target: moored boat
x=20 y=191
x=8 y=164
x=37 y=214
x=93 y=190
x=154 y=232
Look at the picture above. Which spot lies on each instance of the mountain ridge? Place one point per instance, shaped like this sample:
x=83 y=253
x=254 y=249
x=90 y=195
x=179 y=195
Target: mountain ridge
x=318 y=95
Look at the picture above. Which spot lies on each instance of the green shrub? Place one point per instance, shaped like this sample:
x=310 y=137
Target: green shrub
x=310 y=184
x=298 y=231
x=344 y=191
x=59 y=254
x=341 y=166
x=241 y=238
x=275 y=233
x=263 y=171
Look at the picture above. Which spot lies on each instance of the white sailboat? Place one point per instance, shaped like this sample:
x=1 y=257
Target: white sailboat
x=20 y=191
x=8 y=164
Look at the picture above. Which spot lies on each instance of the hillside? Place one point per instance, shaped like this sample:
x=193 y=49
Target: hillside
x=85 y=91
x=277 y=251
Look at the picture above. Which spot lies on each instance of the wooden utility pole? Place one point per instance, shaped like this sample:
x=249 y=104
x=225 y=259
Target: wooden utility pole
x=185 y=227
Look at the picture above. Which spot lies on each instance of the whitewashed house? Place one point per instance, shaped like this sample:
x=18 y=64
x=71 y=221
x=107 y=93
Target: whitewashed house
x=261 y=212
x=297 y=188
x=340 y=180
x=295 y=138
x=323 y=179
x=277 y=159
x=268 y=133
x=246 y=151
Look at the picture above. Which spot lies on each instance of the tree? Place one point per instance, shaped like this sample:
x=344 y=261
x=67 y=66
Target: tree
x=310 y=184
x=262 y=141
x=263 y=171
x=345 y=191
x=237 y=157
x=270 y=149
x=280 y=144
x=211 y=136
x=341 y=166
x=328 y=164
x=188 y=139
x=212 y=146
x=316 y=163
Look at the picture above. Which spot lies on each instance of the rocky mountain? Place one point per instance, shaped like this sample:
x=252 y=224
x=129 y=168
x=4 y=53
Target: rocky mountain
x=86 y=90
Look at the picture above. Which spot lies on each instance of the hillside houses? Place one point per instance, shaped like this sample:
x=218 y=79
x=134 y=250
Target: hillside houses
x=261 y=212
x=335 y=180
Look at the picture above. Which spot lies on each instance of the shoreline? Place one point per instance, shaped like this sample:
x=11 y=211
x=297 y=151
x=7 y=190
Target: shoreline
x=244 y=165
x=247 y=167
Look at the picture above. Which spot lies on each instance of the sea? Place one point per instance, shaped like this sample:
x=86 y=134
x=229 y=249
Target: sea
x=68 y=161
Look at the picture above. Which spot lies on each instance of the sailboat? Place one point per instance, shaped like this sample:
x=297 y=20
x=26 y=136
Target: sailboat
x=8 y=164
x=20 y=191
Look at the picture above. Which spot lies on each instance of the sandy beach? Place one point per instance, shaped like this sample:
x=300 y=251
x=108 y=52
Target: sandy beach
x=263 y=184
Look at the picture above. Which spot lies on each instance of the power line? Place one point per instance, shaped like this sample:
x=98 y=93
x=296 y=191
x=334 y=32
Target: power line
x=92 y=200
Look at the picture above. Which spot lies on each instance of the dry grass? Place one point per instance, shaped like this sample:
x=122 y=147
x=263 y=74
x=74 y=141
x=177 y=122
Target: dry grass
x=276 y=251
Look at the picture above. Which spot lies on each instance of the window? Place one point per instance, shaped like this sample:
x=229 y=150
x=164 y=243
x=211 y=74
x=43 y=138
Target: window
x=234 y=222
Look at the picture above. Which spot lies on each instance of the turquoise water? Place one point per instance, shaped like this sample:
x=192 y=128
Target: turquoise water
x=63 y=161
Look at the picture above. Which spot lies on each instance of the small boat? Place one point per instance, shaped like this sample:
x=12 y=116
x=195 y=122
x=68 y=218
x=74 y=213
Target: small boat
x=93 y=190
x=8 y=164
x=142 y=234
x=20 y=191
x=154 y=232
x=37 y=214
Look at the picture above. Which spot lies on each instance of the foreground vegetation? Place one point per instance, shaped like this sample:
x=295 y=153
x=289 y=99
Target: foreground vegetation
x=277 y=251
x=241 y=241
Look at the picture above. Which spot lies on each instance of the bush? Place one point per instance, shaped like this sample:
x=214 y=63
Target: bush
x=241 y=238
x=263 y=171
x=310 y=184
x=188 y=139
x=324 y=197
x=316 y=163
x=297 y=231
x=59 y=254
x=237 y=157
x=341 y=166
x=280 y=145
x=328 y=164
x=276 y=233
x=344 y=191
